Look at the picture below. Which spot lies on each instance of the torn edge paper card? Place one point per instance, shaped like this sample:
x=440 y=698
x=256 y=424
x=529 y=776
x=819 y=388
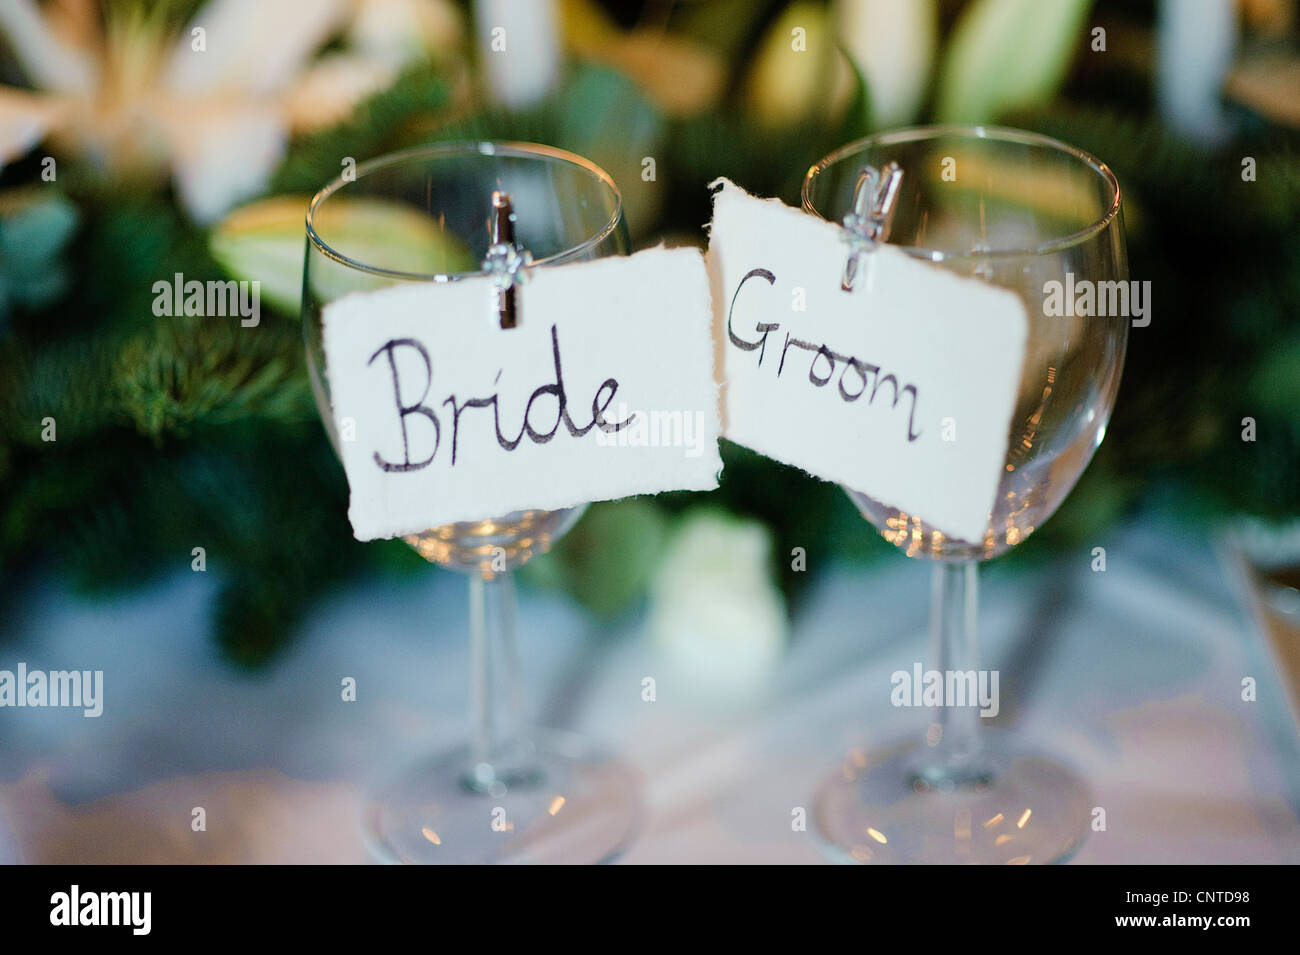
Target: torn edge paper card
x=605 y=390
x=902 y=389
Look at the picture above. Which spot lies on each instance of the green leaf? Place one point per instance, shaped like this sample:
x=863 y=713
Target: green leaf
x=389 y=120
x=1275 y=385
x=858 y=117
x=598 y=112
x=264 y=241
x=35 y=228
x=1007 y=54
x=606 y=561
x=726 y=25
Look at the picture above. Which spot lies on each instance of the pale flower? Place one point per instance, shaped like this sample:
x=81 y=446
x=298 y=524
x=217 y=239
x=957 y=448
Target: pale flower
x=216 y=101
x=892 y=42
x=715 y=611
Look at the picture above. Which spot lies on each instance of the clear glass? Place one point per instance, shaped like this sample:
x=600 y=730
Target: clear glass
x=1017 y=210
x=511 y=793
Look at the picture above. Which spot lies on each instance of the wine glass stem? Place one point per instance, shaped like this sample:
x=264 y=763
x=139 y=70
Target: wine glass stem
x=501 y=752
x=956 y=757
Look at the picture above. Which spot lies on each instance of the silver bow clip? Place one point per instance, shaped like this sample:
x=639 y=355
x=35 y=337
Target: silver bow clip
x=875 y=199
x=507 y=263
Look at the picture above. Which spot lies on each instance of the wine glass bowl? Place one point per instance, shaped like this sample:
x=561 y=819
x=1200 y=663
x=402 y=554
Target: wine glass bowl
x=1021 y=211
x=1039 y=218
x=423 y=215
x=510 y=793
x=504 y=542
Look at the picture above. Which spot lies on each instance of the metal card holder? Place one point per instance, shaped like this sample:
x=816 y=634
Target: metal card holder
x=506 y=262
x=875 y=199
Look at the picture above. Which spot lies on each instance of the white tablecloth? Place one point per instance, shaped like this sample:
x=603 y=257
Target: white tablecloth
x=1132 y=675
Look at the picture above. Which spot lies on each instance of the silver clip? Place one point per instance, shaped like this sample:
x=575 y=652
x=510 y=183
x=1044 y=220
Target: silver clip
x=875 y=199
x=507 y=263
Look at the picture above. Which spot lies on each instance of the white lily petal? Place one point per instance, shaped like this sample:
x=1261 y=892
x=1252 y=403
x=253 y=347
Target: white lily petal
x=225 y=155
x=327 y=91
x=49 y=62
x=402 y=31
x=524 y=65
x=25 y=118
x=893 y=44
x=250 y=45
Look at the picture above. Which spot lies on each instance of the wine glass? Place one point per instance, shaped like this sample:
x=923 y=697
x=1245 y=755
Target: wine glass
x=511 y=793
x=1017 y=210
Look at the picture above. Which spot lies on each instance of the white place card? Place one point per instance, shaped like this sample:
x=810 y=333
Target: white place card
x=604 y=390
x=902 y=388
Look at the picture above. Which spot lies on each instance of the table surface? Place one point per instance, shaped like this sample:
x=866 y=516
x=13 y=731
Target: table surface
x=1132 y=675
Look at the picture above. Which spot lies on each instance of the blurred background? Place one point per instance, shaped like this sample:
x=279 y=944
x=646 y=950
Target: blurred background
x=142 y=139
x=139 y=140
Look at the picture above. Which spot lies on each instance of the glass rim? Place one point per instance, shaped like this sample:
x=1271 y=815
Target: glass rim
x=517 y=150
x=1005 y=134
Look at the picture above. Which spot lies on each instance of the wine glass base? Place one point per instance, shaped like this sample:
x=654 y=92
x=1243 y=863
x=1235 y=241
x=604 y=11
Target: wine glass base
x=584 y=808
x=879 y=808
